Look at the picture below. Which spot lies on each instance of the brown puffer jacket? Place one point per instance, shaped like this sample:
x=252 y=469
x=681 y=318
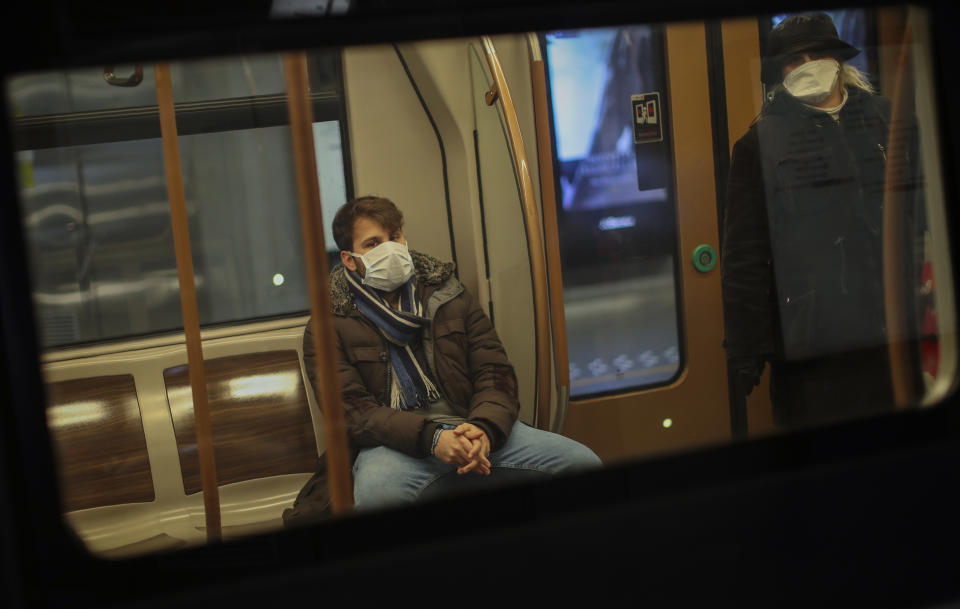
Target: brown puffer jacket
x=464 y=355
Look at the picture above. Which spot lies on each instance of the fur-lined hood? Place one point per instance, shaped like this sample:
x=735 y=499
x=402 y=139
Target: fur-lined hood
x=428 y=270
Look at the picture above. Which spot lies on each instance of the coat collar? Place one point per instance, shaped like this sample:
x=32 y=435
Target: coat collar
x=429 y=271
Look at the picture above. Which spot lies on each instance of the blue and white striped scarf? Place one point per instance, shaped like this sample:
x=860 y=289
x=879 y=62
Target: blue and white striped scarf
x=411 y=387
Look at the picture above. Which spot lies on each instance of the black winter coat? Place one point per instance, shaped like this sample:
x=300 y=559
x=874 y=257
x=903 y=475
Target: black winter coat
x=802 y=255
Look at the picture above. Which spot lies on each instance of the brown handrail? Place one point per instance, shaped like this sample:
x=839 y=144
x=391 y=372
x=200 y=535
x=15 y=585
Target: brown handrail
x=531 y=218
x=548 y=200
x=314 y=254
x=188 y=300
x=894 y=210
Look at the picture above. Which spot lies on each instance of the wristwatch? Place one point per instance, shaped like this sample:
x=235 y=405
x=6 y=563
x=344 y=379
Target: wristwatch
x=436 y=438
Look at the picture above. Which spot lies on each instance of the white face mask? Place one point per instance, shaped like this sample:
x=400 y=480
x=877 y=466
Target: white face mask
x=388 y=265
x=813 y=82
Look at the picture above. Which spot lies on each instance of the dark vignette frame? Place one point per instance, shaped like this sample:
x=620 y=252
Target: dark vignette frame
x=859 y=514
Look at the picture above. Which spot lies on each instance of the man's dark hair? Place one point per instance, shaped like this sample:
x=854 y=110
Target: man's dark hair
x=378 y=209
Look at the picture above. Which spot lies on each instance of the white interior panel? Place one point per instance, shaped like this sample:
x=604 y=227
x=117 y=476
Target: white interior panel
x=394 y=149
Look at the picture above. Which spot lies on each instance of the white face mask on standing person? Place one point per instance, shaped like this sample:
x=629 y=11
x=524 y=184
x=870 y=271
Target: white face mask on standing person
x=814 y=81
x=388 y=266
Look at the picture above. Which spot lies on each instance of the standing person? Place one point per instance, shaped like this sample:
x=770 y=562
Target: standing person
x=429 y=395
x=802 y=255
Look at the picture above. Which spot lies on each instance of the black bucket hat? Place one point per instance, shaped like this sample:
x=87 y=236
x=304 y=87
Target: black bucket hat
x=799 y=33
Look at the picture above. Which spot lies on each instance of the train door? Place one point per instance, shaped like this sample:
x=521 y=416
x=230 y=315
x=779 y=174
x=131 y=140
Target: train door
x=639 y=238
x=644 y=121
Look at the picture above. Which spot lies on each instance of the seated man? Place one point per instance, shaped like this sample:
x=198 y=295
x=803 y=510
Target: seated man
x=430 y=397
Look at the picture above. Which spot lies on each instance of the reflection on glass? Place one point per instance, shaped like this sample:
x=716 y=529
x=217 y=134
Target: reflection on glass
x=263 y=385
x=76 y=413
x=617 y=221
x=825 y=226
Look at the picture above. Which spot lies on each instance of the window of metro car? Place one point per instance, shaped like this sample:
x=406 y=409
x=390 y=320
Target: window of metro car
x=75 y=183
x=94 y=199
x=616 y=213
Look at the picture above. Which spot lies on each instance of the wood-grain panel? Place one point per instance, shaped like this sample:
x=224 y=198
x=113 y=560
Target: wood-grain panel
x=635 y=424
x=97 y=434
x=741 y=69
x=258 y=412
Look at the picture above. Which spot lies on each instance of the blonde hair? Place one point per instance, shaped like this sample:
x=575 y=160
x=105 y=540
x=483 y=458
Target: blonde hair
x=850 y=76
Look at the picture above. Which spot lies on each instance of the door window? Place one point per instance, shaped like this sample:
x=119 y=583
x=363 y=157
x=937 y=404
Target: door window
x=616 y=209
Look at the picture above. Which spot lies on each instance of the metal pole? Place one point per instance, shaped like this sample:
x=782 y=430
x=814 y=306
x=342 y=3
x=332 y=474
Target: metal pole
x=314 y=253
x=894 y=216
x=548 y=203
x=188 y=300
x=531 y=217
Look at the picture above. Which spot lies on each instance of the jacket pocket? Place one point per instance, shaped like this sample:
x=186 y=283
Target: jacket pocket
x=372 y=363
x=451 y=347
x=449 y=326
x=451 y=337
x=366 y=354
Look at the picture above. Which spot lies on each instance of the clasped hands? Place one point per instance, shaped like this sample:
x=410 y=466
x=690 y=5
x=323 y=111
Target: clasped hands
x=467 y=447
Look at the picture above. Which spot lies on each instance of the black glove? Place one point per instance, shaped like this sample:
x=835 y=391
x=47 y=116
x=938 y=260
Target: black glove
x=747 y=371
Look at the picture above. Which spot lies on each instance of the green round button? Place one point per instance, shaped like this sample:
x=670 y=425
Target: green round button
x=704 y=258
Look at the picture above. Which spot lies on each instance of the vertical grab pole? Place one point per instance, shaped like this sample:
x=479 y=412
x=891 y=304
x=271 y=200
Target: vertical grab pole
x=548 y=199
x=531 y=218
x=894 y=211
x=314 y=251
x=188 y=300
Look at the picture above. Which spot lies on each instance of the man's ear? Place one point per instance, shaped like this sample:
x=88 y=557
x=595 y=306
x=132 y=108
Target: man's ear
x=348 y=260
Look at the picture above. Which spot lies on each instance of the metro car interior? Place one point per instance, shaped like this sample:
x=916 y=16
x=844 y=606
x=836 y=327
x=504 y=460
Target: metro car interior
x=572 y=161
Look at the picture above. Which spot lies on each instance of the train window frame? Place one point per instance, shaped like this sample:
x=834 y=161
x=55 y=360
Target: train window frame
x=79 y=128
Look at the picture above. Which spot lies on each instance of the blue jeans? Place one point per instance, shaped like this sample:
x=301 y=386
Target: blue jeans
x=384 y=477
